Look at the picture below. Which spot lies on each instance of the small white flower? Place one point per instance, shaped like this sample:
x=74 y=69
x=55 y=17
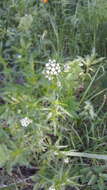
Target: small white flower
x=66 y=160
x=53 y=64
x=55 y=73
x=80 y=64
x=25 y=122
x=59 y=71
x=56 y=67
x=19 y=56
x=53 y=69
x=47 y=64
x=52 y=188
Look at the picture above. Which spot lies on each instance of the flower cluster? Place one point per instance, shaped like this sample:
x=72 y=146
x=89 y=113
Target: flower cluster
x=52 y=69
x=25 y=121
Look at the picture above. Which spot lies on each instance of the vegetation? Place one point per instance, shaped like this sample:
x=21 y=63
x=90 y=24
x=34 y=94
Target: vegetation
x=53 y=117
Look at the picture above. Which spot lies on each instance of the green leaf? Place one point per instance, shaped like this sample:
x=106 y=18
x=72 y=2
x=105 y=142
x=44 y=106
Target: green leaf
x=83 y=154
x=25 y=22
x=4 y=154
x=92 y=180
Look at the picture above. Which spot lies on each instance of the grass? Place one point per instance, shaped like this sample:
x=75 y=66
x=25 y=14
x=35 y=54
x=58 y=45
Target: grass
x=53 y=113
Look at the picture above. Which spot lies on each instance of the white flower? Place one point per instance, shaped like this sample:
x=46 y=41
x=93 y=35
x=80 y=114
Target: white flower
x=25 y=121
x=66 y=160
x=47 y=64
x=80 y=64
x=53 y=64
x=58 y=65
x=52 y=188
x=19 y=56
x=52 y=68
x=59 y=70
x=55 y=73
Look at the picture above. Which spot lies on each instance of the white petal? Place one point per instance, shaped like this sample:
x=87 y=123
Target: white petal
x=58 y=65
x=50 y=60
x=55 y=72
x=53 y=69
x=47 y=64
x=53 y=64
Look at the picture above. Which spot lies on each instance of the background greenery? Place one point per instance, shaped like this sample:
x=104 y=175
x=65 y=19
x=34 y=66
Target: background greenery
x=69 y=117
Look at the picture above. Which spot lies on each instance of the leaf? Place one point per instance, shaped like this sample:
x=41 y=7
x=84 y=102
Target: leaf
x=4 y=154
x=83 y=154
x=103 y=176
x=25 y=22
x=92 y=180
